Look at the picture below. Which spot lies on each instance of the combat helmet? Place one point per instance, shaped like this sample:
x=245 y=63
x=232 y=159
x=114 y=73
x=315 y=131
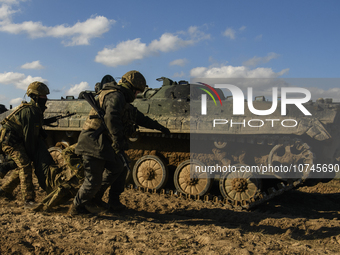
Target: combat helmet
x=136 y=79
x=37 y=88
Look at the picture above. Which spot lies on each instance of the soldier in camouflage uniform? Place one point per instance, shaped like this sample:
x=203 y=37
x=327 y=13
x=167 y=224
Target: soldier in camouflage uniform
x=20 y=136
x=62 y=183
x=102 y=166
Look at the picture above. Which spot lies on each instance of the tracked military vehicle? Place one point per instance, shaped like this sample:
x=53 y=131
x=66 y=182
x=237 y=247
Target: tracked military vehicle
x=169 y=163
x=261 y=156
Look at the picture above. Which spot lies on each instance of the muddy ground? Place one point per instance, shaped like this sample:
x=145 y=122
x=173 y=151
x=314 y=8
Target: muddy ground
x=302 y=221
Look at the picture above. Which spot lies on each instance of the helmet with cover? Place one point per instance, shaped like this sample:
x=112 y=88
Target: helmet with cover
x=136 y=79
x=98 y=87
x=37 y=88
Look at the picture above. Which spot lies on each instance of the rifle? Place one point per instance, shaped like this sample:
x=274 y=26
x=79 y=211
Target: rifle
x=48 y=121
x=92 y=101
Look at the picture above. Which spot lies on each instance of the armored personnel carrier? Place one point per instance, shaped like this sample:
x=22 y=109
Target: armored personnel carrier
x=249 y=158
x=253 y=160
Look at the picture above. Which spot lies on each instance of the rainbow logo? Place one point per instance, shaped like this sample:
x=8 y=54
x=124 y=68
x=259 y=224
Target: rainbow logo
x=204 y=97
x=209 y=93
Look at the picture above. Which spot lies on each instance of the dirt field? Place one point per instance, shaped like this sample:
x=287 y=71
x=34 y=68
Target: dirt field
x=302 y=221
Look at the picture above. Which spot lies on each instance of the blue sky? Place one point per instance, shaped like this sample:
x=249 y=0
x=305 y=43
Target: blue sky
x=71 y=45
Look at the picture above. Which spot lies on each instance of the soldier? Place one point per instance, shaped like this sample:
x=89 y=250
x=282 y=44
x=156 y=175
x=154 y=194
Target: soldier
x=20 y=135
x=64 y=181
x=61 y=183
x=100 y=148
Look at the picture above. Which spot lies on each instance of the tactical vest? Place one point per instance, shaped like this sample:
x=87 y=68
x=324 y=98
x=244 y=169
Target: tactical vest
x=11 y=129
x=128 y=118
x=93 y=121
x=12 y=121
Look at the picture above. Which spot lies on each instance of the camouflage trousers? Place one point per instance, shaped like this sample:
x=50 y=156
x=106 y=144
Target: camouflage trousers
x=59 y=190
x=99 y=175
x=60 y=183
x=60 y=194
x=22 y=174
x=63 y=185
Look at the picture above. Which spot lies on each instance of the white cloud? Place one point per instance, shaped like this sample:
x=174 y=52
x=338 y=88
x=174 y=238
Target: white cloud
x=330 y=93
x=79 y=34
x=76 y=89
x=242 y=28
x=235 y=72
x=179 y=62
x=131 y=50
x=23 y=84
x=11 y=1
x=15 y=102
x=181 y=74
x=198 y=72
x=19 y=80
x=261 y=79
x=260 y=60
x=33 y=65
x=168 y=42
x=5 y=12
x=229 y=32
x=258 y=38
x=123 y=54
x=10 y=77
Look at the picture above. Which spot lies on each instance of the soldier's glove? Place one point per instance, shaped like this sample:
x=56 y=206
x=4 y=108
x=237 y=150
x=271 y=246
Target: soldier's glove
x=116 y=148
x=165 y=130
x=119 y=144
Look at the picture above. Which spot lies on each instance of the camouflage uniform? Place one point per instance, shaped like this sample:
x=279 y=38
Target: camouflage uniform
x=101 y=164
x=103 y=168
x=19 y=138
x=19 y=134
x=61 y=183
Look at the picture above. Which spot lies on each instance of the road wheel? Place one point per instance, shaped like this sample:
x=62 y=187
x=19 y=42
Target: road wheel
x=190 y=182
x=150 y=172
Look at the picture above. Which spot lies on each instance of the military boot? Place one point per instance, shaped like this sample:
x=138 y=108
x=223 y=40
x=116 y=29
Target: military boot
x=116 y=206
x=78 y=210
x=97 y=206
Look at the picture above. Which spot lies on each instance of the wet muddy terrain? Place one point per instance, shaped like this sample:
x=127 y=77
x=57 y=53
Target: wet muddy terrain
x=300 y=221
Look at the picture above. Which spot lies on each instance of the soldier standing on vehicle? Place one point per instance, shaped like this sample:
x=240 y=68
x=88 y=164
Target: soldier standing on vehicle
x=20 y=134
x=101 y=147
